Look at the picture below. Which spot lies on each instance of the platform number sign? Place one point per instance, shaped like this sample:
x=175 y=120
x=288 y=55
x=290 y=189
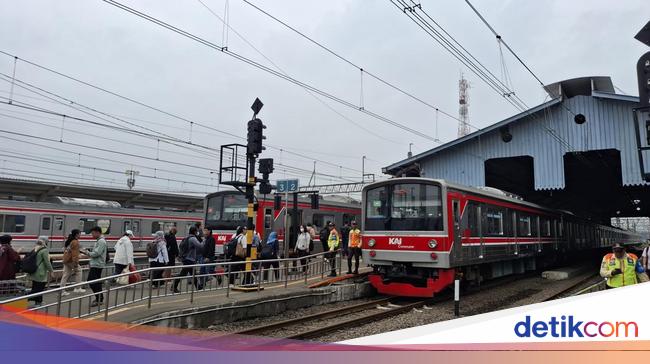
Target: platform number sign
x=287 y=185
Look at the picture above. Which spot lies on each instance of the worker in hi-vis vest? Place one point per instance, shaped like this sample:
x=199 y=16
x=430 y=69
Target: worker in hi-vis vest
x=620 y=268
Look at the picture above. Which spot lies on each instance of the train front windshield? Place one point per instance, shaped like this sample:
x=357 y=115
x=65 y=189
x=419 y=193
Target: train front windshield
x=404 y=207
x=226 y=211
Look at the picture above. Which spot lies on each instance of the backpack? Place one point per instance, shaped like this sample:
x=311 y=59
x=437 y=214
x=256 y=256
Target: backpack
x=230 y=247
x=29 y=264
x=152 y=249
x=266 y=250
x=324 y=234
x=184 y=247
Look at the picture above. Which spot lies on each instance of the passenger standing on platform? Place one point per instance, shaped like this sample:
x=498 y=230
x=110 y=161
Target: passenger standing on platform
x=161 y=260
x=333 y=242
x=208 y=255
x=345 y=235
x=97 y=262
x=71 y=261
x=354 y=248
x=8 y=259
x=199 y=232
x=620 y=268
x=189 y=250
x=312 y=235
x=323 y=235
x=123 y=252
x=43 y=269
x=270 y=251
x=240 y=253
x=172 y=246
x=302 y=246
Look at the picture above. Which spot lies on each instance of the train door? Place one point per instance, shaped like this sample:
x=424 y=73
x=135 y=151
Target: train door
x=135 y=226
x=58 y=230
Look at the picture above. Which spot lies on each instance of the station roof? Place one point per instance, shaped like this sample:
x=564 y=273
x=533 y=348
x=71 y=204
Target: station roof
x=11 y=188
x=596 y=86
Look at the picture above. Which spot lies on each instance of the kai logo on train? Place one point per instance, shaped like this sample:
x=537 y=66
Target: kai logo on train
x=395 y=241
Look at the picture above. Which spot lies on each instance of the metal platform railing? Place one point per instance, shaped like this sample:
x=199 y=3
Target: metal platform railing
x=155 y=284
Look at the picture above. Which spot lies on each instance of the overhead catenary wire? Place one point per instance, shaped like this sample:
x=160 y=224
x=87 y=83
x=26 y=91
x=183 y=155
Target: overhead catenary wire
x=265 y=68
x=161 y=111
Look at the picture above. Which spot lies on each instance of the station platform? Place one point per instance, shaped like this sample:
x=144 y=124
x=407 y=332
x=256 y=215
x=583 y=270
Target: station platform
x=220 y=305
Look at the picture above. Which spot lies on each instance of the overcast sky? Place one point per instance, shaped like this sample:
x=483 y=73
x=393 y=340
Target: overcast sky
x=110 y=48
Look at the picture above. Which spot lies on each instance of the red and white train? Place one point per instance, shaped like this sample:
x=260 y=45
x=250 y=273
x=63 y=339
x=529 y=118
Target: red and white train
x=419 y=234
x=226 y=210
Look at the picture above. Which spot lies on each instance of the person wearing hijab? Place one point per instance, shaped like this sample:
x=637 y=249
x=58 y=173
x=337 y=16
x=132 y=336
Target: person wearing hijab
x=270 y=251
x=161 y=260
x=43 y=269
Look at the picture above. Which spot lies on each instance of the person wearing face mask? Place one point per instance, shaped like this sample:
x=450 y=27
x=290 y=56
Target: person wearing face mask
x=302 y=246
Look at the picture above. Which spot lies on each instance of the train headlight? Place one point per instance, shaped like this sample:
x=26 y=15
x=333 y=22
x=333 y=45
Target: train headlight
x=373 y=253
x=371 y=243
x=433 y=244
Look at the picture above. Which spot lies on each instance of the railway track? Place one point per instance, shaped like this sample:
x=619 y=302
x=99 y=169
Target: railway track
x=563 y=293
x=309 y=327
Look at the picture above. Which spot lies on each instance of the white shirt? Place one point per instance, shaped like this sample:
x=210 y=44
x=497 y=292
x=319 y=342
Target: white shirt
x=123 y=251
x=303 y=241
x=645 y=255
x=242 y=241
x=162 y=253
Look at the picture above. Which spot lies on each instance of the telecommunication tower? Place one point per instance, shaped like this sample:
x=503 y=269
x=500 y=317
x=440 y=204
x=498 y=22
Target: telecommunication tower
x=463 y=106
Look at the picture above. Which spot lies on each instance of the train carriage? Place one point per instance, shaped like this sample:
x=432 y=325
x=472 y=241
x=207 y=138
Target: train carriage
x=420 y=234
x=226 y=210
x=26 y=221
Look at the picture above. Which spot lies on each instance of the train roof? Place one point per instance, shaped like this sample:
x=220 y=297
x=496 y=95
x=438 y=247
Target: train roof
x=52 y=208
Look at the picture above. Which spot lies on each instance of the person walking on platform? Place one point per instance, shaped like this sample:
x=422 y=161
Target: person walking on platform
x=97 y=256
x=43 y=269
x=269 y=252
x=71 y=251
x=323 y=235
x=189 y=249
x=209 y=245
x=620 y=268
x=123 y=252
x=8 y=259
x=161 y=260
x=354 y=248
x=645 y=258
x=345 y=235
x=172 y=246
x=302 y=246
x=333 y=242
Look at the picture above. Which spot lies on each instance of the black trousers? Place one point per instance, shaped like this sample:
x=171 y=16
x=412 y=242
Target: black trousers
x=185 y=272
x=332 y=258
x=36 y=288
x=119 y=268
x=276 y=265
x=96 y=273
x=157 y=274
x=234 y=269
x=356 y=253
x=303 y=262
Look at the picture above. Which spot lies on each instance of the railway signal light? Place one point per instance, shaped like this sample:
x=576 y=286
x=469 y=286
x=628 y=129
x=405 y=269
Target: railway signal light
x=255 y=136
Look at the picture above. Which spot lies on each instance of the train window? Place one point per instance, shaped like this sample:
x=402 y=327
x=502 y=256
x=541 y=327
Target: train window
x=86 y=224
x=58 y=224
x=46 y=223
x=494 y=219
x=524 y=226
x=416 y=207
x=214 y=208
x=162 y=225
x=13 y=224
x=136 y=228
x=319 y=220
x=471 y=220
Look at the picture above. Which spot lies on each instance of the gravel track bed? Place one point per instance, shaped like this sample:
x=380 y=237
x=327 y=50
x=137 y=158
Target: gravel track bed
x=247 y=324
x=518 y=293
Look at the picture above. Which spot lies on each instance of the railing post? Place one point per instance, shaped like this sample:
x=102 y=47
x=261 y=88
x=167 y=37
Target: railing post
x=193 y=280
x=229 y=271
x=340 y=261
x=108 y=301
x=322 y=266
x=150 y=289
x=259 y=277
x=286 y=274
x=58 y=303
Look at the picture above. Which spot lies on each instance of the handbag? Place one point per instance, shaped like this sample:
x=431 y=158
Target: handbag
x=123 y=280
x=240 y=251
x=134 y=277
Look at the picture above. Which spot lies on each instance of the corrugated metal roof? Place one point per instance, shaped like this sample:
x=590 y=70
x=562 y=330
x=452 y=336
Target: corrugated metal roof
x=545 y=133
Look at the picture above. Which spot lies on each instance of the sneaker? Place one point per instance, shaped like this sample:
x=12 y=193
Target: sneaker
x=349 y=272
x=176 y=291
x=65 y=293
x=95 y=304
x=79 y=290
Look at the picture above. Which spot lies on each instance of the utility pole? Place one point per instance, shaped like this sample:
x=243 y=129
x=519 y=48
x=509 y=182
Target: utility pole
x=130 y=181
x=463 y=106
x=363 y=169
